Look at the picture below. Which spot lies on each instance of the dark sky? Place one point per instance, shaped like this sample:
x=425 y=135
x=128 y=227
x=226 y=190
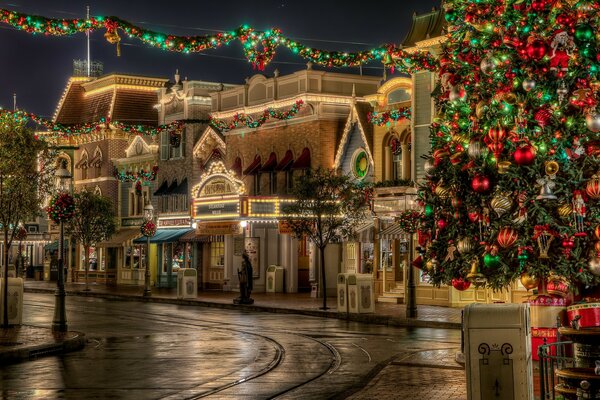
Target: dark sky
x=37 y=67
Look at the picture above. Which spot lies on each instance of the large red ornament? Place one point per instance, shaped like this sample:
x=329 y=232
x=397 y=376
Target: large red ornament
x=496 y=134
x=565 y=19
x=593 y=187
x=536 y=49
x=524 y=155
x=481 y=183
x=538 y=5
x=507 y=237
x=542 y=117
x=460 y=284
x=597 y=232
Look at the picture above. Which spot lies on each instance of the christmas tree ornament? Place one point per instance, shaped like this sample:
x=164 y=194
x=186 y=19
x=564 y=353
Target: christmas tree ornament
x=538 y=5
x=594 y=266
x=481 y=184
x=546 y=185
x=557 y=286
x=579 y=213
x=441 y=224
x=432 y=265
x=442 y=192
x=544 y=237
x=528 y=84
x=460 y=284
x=542 y=117
x=521 y=214
x=501 y=203
x=488 y=65
x=597 y=232
x=476 y=149
x=592 y=121
x=428 y=166
x=465 y=245
x=503 y=167
x=592 y=188
x=456 y=202
x=507 y=237
x=481 y=108
x=474 y=276
x=562 y=47
x=536 y=49
x=457 y=93
x=524 y=154
x=562 y=92
x=551 y=168
x=491 y=261
x=565 y=210
x=529 y=281
x=568 y=245
x=584 y=33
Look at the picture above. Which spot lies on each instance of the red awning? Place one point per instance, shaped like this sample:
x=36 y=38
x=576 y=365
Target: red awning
x=286 y=162
x=254 y=168
x=270 y=164
x=237 y=166
x=303 y=162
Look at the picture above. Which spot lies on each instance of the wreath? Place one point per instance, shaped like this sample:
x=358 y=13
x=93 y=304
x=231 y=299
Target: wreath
x=409 y=221
x=148 y=228
x=61 y=208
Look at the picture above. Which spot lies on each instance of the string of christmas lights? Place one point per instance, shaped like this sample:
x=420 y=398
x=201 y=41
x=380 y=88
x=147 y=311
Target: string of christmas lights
x=386 y=117
x=240 y=119
x=258 y=46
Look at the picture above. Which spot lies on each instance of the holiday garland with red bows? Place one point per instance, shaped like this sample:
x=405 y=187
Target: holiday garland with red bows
x=241 y=119
x=387 y=117
x=148 y=228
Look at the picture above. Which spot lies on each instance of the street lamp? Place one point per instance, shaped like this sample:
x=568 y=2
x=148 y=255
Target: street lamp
x=59 y=323
x=148 y=216
x=411 y=287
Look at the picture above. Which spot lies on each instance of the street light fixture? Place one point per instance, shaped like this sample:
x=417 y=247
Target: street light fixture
x=148 y=216
x=59 y=322
x=411 y=287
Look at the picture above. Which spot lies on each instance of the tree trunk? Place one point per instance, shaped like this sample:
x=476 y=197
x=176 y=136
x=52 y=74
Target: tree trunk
x=5 y=283
x=87 y=265
x=323 y=277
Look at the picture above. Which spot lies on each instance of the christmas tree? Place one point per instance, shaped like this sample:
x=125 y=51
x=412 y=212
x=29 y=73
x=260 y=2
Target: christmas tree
x=513 y=182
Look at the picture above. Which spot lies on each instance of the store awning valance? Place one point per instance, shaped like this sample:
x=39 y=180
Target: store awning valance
x=164 y=236
x=162 y=189
x=237 y=166
x=172 y=187
x=303 y=162
x=393 y=231
x=365 y=233
x=182 y=188
x=254 y=167
x=270 y=164
x=53 y=246
x=286 y=162
x=121 y=238
x=192 y=236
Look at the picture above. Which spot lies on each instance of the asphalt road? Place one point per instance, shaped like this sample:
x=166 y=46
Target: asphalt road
x=159 y=351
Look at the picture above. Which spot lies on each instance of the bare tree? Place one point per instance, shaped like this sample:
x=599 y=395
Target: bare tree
x=327 y=208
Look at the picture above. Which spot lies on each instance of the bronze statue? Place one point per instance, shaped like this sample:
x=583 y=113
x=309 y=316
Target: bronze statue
x=246 y=281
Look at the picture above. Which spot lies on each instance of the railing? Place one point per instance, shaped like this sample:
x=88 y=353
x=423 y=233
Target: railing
x=553 y=356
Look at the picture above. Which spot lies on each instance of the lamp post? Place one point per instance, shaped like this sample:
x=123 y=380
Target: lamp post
x=148 y=216
x=59 y=322
x=411 y=287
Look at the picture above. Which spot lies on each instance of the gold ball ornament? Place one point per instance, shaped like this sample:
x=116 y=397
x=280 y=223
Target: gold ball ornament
x=529 y=281
x=551 y=168
x=565 y=210
x=465 y=245
x=480 y=108
x=594 y=266
x=442 y=192
x=501 y=203
x=592 y=188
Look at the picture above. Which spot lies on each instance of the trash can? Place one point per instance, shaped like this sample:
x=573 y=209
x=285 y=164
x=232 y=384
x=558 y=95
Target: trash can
x=366 y=300
x=498 y=351
x=275 y=279
x=187 y=283
x=352 y=293
x=314 y=289
x=342 y=292
x=15 y=300
x=38 y=273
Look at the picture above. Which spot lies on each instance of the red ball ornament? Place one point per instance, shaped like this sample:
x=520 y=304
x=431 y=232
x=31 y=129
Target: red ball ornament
x=460 y=284
x=593 y=188
x=524 y=155
x=597 y=232
x=507 y=237
x=442 y=224
x=564 y=19
x=456 y=203
x=481 y=183
x=536 y=49
x=538 y=5
x=542 y=117
x=496 y=134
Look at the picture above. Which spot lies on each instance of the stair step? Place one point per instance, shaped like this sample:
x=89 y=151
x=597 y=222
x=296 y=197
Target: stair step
x=394 y=300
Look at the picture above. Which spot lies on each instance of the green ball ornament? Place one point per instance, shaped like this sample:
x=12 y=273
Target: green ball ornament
x=491 y=261
x=450 y=15
x=584 y=33
x=428 y=210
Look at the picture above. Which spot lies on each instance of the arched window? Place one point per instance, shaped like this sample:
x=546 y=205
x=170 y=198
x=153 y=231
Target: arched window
x=83 y=165
x=398 y=96
x=397 y=156
x=97 y=191
x=96 y=162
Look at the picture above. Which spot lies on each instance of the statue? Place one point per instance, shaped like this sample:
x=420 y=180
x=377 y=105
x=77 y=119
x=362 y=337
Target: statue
x=246 y=281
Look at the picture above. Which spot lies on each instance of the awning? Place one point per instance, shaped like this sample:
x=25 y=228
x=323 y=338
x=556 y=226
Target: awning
x=172 y=188
x=393 y=231
x=270 y=164
x=53 y=246
x=286 y=162
x=193 y=237
x=162 y=189
x=366 y=233
x=121 y=238
x=254 y=167
x=237 y=166
x=164 y=236
x=303 y=162
x=182 y=188
x=83 y=163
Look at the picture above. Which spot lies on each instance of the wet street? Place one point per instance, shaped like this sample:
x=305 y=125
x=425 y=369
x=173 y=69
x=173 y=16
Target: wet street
x=141 y=350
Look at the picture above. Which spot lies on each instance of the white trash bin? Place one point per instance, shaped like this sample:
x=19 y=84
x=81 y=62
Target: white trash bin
x=366 y=297
x=352 y=293
x=187 y=283
x=498 y=351
x=342 y=293
x=15 y=301
x=275 y=275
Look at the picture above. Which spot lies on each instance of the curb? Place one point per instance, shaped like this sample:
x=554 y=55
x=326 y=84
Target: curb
x=364 y=318
x=12 y=356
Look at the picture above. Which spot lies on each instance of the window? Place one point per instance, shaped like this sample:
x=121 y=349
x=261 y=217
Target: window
x=360 y=164
x=164 y=146
x=184 y=203
x=398 y=96
x=168 y=151
x=397 y=166
x=175 y=202
x=273 y=183
x=256 y=177
x=289 y=180
x=217 y=254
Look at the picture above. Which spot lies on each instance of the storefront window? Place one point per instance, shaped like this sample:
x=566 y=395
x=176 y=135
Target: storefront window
x=386 y=255
x=217 y=254
x=178 y=261
x=133 y=257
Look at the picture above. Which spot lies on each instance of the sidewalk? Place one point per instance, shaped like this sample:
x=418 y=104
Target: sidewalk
x=294 y=303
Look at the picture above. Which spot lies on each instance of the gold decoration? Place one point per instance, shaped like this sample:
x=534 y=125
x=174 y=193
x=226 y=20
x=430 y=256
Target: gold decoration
x=474 y=276
x=503 y=167
x=529 y=281
x=501 y=203
x=465 y=245
x=565 y=210
x=551 y=168
x=112 y=37
x=442 y=192
x=480 y=109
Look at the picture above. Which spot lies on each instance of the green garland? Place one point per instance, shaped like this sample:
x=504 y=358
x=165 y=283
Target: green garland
x=258 y=46
x=240 y=119
x=386 y=117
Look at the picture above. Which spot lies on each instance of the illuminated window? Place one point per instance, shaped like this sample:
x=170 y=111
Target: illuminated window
x=217 y=254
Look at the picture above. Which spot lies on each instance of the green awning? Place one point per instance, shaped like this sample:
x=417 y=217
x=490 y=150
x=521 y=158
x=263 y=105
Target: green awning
x=53 y=246
x=164 y=236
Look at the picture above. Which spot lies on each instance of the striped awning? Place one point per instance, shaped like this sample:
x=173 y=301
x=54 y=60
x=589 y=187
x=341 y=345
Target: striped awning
x=366 y=233
x=191 y=236
x=394 y=231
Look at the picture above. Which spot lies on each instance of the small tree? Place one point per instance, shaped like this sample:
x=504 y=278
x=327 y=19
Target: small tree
x=94 y=221
x=25 y=177
x=327 y=207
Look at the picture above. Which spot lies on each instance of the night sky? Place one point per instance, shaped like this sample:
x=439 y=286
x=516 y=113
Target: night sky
x=37 y=67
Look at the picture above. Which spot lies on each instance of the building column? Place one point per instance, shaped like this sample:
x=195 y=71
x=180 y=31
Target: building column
x=405 y=161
